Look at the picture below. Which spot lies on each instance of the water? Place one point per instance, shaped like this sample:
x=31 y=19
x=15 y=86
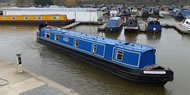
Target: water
x=172 y=51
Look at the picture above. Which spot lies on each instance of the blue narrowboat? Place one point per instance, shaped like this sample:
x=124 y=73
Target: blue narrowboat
x=154 y=25
x=185 y=13
x=114 y=24
x=177 y=13
x=130 y=61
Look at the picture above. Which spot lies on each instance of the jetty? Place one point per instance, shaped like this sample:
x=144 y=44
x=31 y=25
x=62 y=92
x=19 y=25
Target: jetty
x=102 y=27
x=178 y=27
x=182 y=29
x=27 y=83
x=142 y=27
x=71 y=25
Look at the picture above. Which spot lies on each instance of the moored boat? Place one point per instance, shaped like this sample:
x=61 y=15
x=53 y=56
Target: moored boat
x=130 y=61
x=156 y=12
x=145 y=13
x=35 y=19
x=131 y=25
x=154 y=25
x=186 y=23
x=177 y=13
x=114 y=24
x=114 y=12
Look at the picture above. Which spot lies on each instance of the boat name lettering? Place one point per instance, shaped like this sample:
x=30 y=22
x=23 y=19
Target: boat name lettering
x=65 y=39
x=154 y=72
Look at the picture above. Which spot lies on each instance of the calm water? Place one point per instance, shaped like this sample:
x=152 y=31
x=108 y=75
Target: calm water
x=172 y=51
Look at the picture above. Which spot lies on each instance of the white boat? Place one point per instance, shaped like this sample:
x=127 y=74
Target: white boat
x=114 y=12
x=186 y=23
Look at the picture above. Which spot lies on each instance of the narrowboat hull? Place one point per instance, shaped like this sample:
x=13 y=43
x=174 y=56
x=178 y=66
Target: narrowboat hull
x=131 y=29
x=50 y=22
x=154 y=29
x=113 y=29
x=135 y=75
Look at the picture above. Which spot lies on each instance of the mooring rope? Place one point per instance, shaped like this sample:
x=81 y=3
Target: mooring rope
x=6 y=82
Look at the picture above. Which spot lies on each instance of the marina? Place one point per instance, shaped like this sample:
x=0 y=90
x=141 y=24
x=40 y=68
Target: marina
x=73 y=73
x=125 y=57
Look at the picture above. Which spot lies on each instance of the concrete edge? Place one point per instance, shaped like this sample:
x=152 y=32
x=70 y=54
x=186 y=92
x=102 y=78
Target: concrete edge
x=65 y=90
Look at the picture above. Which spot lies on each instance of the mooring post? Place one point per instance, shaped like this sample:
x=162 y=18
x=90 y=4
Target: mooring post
x=19 y=63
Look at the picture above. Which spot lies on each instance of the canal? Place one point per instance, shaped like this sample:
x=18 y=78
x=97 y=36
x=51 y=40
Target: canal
x=172 y=51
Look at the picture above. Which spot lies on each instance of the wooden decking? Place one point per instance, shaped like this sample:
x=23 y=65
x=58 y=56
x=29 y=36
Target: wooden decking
x=182 y=29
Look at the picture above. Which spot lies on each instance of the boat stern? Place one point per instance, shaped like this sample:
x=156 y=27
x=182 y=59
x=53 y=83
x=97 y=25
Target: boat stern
x=157 y=74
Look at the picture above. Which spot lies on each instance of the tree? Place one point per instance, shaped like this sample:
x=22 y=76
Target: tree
x=19 y=3
x=70 y=2
x=43 y=2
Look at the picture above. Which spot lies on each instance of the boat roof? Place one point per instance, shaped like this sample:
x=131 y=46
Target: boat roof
x=102 y=40
x=115 y=18
x=152 y=19
x=176 y=9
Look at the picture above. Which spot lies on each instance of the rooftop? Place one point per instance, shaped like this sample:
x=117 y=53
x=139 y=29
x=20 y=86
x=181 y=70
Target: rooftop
x=100 y=39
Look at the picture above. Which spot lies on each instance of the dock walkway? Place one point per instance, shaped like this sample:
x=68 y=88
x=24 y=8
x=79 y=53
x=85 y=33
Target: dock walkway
x=27 y=83
x=182 y=29
x=71 y=25
x=102 y=27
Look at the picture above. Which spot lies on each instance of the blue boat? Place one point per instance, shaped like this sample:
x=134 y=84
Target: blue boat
x=177 y=13
x=130 y=61
x=114 y=24
x=154 y=25
x=185 y=13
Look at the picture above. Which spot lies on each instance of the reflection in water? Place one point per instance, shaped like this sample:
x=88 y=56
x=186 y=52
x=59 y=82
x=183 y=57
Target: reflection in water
x=153 y=36
x=113 y=35
x=132 y=37
x=178 y=19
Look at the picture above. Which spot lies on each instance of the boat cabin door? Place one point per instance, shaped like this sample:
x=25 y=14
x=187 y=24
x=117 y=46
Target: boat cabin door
x=108 y=51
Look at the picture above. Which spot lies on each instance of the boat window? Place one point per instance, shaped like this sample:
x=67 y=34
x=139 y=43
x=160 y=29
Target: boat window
x=119 y=55
x=3 y=18
x=34 y=17
x=76 y=43
x=187 y=22
x=55 y=18
x=26 y=18
x=93 y=48
x=47 y=34
x=151 y=23
x=157 y=23
x=13 y=18
x=56 y=37
x=39 y=18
